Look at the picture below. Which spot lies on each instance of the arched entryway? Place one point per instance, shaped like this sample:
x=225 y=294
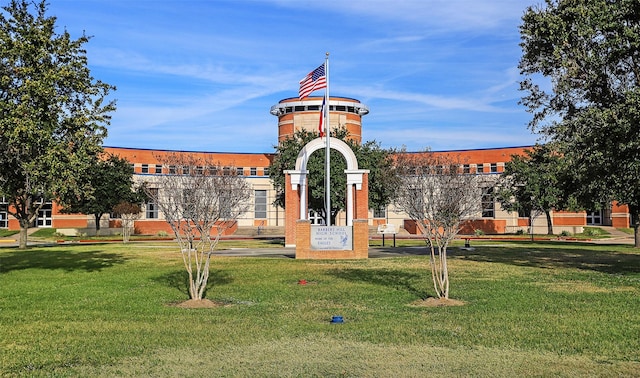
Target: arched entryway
x=296 y=191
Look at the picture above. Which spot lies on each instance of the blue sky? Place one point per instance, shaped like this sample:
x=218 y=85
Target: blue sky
x=202 y=75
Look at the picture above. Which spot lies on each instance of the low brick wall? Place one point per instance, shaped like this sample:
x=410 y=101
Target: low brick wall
x=360 y=243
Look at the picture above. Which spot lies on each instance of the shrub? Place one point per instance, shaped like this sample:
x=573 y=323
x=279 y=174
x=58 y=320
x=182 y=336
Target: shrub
x=478 y=232
x=565 y=233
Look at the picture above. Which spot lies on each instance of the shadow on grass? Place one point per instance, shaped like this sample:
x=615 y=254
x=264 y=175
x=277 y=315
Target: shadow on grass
x=558 y=256
x=68 y=260
x=398 y=279
x=179 y=279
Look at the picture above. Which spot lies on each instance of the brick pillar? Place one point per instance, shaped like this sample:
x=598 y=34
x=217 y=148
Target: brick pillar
x=291 y=211
x=361 y=204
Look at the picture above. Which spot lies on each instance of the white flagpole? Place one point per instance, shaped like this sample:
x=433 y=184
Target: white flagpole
x=327 y=127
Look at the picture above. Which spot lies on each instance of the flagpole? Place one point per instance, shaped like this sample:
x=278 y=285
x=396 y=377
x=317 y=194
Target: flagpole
x=327 y=127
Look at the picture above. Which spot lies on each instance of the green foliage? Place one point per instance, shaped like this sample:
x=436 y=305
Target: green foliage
x=594 y=231
x=587 y=54
x=111 y=181
x=382 y=176
x=535 y=184
x=540 y=314
x=52 y=112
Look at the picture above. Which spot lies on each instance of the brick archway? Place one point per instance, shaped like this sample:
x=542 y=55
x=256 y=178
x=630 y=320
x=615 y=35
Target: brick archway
x=296 y=206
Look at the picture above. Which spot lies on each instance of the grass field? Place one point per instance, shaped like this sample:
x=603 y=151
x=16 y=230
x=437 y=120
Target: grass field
x=531 y=309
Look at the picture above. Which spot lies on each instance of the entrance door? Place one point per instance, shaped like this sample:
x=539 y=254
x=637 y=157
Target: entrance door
x=45 y=218
x=594 y=217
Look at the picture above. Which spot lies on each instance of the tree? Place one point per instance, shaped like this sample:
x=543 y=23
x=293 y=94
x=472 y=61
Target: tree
x=53 y=114
x=586 y=57
x=534 y=184
x=199 y=199
x=128 y=212
x=382 y=177
x=111 y=180
x=439 y=197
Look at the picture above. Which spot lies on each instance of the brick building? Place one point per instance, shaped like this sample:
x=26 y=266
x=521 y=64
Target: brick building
x=294 y=114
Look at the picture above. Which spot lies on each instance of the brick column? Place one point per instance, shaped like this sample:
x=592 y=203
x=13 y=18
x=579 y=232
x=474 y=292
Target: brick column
x=362 y=199
x=291 y=211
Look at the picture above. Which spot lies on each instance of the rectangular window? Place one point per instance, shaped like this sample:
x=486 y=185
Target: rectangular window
x=145 y=168
x=380 y=212
x=150 y=207
x=494 y=167
x=487 y=202
x=4 y=214
x=199 y=170
x=173 y=170
x=480 y=168
x=226 y=171
x=265 y=171
x=185 y=169
x=260 y=204
x=253 y=171
x=239 y=171
x=466 y=168
x=158 y=168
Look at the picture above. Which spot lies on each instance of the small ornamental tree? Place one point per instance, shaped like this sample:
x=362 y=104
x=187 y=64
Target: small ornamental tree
x=437 y=195
x=199 y=199
x=128 y=213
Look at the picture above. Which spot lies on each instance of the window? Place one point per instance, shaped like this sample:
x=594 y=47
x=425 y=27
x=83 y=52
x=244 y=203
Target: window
x=189 y=203
x=466 y=168
x=213 y=170
x=158 y=168
x=239 y=171
x=150 y=207
x=494 y=167
x=173 y=170
x=265 y=171
x=480 y=168
x=4 y=213
x=253 y=171
x=199 y=170
x=185 y=169
x=380 y=212
x=488 y=205
x=145 y=168
x=260 y=211
x=226 y=171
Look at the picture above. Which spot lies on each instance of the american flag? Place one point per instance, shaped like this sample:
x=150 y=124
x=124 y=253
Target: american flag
x=315 y=80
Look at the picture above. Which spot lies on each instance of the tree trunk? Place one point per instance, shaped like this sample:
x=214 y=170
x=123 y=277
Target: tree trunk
x=24 y=228
x=549 y=222
x=97 y=217
x=635 y=218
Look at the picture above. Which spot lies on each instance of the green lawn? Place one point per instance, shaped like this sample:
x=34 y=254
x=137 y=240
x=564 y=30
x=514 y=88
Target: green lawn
x=531 y=309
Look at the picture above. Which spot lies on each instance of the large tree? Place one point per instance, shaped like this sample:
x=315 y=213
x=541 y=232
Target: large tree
x=53 y=113
x=534 y=184
x=111 y=180
x=437 y=194
x=382 y=175
x=581 y=66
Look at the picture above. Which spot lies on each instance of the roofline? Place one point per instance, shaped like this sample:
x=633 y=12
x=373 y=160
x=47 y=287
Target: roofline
x=475 y=149
x=190 y=151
